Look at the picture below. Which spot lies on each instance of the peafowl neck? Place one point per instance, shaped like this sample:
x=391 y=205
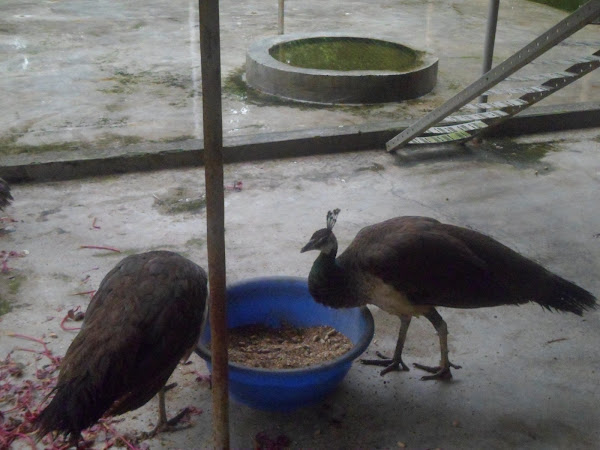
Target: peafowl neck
x=331 y=284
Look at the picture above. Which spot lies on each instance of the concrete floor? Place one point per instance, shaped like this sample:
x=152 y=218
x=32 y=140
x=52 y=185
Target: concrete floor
x=529 y=377
x=86 y=76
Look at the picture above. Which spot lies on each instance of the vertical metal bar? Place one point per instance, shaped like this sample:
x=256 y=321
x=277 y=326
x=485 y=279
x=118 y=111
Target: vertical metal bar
x=490 y=39
x=280 y=16
x=212 y=118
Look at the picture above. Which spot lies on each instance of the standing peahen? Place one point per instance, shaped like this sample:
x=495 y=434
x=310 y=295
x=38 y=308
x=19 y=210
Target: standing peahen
x=408 y=266
x=145 y=317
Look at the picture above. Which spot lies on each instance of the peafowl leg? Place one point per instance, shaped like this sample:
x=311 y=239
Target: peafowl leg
x=162 y=411
x=441 y=372
x=396 y=362
x=165 y=425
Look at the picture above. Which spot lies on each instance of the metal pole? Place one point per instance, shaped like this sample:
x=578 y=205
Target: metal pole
x=280 y=16
x=490 y=38
x=215 y=212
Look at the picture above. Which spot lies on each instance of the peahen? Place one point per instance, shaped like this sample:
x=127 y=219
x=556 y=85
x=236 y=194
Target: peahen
x=5 y=196
x=408 y=266
x=145 y=317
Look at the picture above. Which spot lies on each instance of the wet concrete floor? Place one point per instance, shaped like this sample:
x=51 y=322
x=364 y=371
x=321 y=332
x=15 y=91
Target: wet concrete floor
x=529 y=377
x=84 y=77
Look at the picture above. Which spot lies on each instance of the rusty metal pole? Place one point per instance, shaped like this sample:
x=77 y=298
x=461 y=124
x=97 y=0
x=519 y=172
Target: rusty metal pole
x=490 y=39
x=280 y=16
x=212 y=118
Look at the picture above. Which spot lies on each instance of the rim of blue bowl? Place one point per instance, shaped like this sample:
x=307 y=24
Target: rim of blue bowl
x=350 y=356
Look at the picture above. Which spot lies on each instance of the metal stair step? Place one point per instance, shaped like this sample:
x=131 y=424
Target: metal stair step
x=469 y=126
x=567 y=61
x=541 y=76
x=500 y=104
x=485 y=115
x=440 y=138
x=516 y=90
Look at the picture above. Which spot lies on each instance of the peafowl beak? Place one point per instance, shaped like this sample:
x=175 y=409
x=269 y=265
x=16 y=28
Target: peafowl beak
x=318 y=240
x=309 y=246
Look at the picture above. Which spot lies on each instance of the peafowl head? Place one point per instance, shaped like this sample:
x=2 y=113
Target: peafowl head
x=324 y=240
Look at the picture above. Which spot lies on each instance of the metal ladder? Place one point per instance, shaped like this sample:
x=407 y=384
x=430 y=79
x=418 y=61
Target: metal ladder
x=461 y=127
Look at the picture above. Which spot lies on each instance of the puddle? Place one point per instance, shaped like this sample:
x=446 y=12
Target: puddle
x=504 y=151
x=374 y=167
x=519 y=155
x=9 y=290
x=180 y=200
x=43 y=217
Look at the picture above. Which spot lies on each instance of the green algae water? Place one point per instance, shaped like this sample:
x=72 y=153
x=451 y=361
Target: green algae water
x=344 y=54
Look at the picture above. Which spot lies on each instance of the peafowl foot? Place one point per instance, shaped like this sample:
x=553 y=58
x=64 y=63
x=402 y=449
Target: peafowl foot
x=167 y=426
x=164 y=425
x=173 y=423
x=439 y=372
x=389 y=364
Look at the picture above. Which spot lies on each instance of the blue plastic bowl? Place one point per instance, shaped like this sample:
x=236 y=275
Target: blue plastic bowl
x=272 y=301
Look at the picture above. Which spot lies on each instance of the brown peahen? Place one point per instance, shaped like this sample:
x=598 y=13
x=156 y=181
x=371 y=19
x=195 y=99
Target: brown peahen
x=145 y=317
x=408 y=266
x=5 y=196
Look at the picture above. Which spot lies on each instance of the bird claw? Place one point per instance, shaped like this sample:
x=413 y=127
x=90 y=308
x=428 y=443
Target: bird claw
x=175 y=420
x=389 y=364
x=439 y=372
x=168 y=426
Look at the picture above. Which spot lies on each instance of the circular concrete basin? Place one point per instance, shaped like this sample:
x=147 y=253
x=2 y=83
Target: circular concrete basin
x=338 y=68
